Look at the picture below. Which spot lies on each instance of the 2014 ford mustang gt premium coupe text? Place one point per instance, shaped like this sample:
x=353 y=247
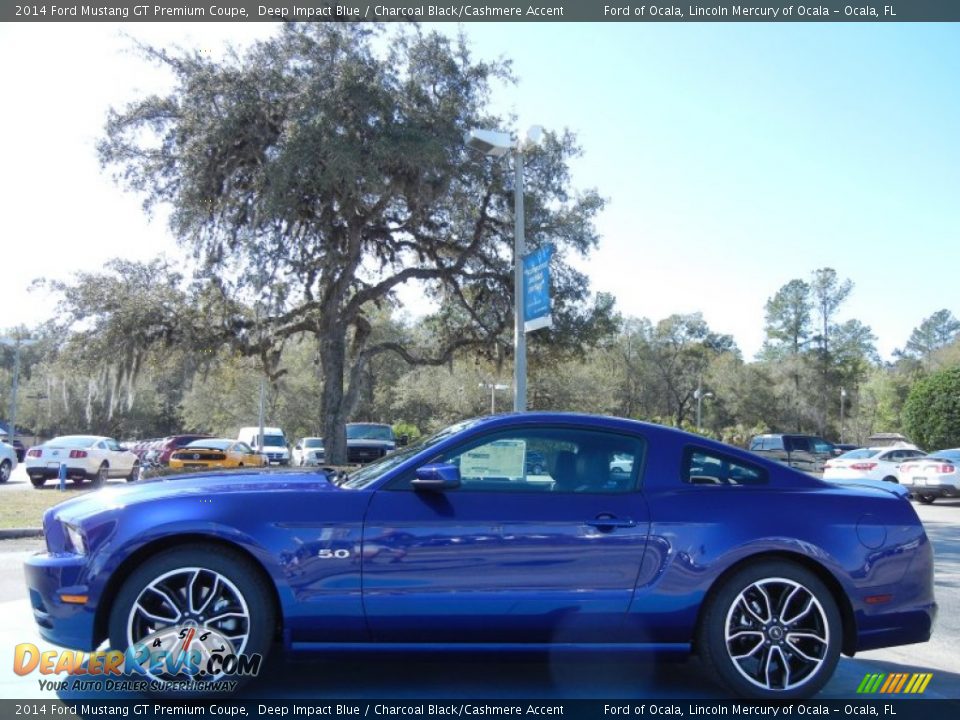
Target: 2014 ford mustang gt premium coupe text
x=628 y=536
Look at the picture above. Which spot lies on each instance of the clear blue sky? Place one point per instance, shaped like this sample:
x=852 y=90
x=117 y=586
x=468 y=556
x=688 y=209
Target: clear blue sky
x=735 y=157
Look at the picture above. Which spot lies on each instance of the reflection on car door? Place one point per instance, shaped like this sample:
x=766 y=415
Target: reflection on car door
x=508 y=557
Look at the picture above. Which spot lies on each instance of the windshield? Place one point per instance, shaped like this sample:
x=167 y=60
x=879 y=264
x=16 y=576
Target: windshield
x=273 y=441
x=369 y=474
x=369 y=432
x=72 y=441
x=313 y=442
x=210 y=443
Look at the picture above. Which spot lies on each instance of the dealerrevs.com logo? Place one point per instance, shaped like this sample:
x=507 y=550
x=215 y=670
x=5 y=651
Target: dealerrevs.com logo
x=180 y=658
x=894 y=683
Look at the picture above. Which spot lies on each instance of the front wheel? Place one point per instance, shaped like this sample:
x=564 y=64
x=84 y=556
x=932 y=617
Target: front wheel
x=926 y=499
x=771 y=631
x=5 y=470
x=199 y=589
x=134 y=473
x=38 y=482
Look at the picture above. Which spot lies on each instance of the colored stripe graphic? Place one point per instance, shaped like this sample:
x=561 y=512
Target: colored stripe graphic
x=912 y=683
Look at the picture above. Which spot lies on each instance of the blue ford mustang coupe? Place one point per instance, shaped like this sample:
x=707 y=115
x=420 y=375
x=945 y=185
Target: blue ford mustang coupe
x=623 y=535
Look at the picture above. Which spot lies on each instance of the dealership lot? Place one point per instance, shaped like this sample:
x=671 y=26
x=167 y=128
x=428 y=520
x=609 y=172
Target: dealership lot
x=386 y=675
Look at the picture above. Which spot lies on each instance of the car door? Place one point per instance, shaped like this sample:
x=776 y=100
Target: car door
x=509 y=556
x=121 y=461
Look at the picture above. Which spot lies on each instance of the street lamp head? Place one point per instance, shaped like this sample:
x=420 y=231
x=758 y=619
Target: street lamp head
x=489 y=142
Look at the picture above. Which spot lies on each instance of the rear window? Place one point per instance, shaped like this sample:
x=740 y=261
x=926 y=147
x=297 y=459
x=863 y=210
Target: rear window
x=704 y=467
x=858 y=454
x=77 y=441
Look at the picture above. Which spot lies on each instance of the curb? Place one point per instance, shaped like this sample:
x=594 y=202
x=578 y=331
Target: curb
x=13 y=533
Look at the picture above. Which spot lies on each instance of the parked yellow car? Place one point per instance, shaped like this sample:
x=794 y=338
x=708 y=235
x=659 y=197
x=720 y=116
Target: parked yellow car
x=216 y=452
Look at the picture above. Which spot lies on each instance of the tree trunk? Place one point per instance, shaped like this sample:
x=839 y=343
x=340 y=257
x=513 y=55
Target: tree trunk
x=333 y=406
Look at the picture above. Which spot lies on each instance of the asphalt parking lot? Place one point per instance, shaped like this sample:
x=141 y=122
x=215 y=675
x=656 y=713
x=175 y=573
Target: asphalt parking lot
x=560 y=676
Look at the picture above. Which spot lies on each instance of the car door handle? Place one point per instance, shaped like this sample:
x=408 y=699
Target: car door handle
x=611 y=522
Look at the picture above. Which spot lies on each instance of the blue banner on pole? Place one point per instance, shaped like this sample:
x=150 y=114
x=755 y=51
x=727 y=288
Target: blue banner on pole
x=536 y=289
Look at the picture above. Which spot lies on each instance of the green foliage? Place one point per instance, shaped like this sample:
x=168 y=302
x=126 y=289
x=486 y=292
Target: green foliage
x=931 y=414
x=325 y=168
x=403 y=429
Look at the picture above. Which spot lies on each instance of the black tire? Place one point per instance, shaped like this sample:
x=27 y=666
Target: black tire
x=77 y=480
x=38 y=482
x=103 y=472
x=126 y=619
x=926 y=499
x=6 y=467
x=891 y=479
x=757 y=659
x=134 y=473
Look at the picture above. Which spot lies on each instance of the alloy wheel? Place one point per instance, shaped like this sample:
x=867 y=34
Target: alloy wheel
x=777 y=634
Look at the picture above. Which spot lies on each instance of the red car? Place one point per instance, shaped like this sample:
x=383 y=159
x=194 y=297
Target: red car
x=175 y=442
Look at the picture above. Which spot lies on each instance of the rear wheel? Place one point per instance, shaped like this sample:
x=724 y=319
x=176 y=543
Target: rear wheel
x=6 y=468
x=38 y=482
x=771 y=631
x=891 y=479
x=926 y=499
x=134 y=473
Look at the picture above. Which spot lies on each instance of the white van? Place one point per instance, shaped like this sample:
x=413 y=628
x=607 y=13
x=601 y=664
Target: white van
x=274 y=443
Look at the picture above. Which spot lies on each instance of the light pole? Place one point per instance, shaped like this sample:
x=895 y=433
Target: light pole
x=699 y=394
x=843 y=396
x=497 y=144
x=16 y=343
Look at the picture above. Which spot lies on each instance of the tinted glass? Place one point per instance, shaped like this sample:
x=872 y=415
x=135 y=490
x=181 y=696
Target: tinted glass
x=859 y=454
x=74 y=441
x=703 y=467
x=369 y=432
x=574 y=461
x=210 y=443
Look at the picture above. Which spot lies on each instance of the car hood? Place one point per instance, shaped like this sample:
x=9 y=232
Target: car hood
x=219 y=484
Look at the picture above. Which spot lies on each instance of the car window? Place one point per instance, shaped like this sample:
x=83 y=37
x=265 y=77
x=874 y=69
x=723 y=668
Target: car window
x=102 y=445
x=822 y=446
x=244 y=448
x=702 y=467
x=859 y=454
x=773 y=443
x=560 y=460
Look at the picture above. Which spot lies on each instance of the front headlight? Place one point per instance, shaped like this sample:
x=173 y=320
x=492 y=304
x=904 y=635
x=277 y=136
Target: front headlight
x=76 y=539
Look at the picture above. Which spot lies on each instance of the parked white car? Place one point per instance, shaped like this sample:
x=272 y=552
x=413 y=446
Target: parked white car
x=876 y=463
x=308 y=451
x=8 y=461
x=86 y=457
x=936 y=475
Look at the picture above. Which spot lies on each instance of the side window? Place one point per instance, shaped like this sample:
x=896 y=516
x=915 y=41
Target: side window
x=244 y=448
x=102 y=445
x=702 y=467
x=774 y=443
x=557 y=460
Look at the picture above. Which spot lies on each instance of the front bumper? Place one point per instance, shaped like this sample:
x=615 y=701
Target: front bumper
x=50 y=575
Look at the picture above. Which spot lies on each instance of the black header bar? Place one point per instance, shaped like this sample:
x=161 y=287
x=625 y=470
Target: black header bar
x=482 y=11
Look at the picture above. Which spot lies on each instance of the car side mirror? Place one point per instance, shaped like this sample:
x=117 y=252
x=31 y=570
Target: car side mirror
x=436 y=476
